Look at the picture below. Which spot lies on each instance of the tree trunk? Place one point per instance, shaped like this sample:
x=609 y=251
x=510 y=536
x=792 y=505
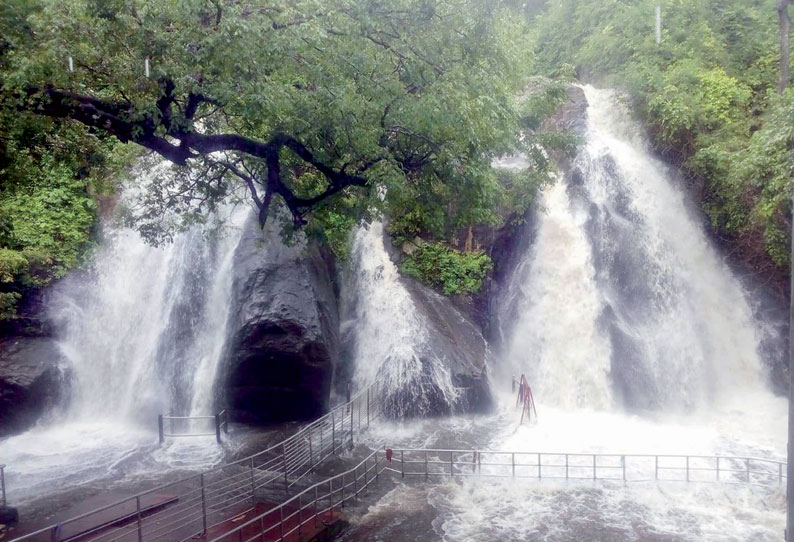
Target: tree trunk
x=785 y=26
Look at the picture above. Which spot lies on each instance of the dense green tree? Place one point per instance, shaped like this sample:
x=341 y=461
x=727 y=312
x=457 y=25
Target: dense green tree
x=707 y=95
x=330 y=108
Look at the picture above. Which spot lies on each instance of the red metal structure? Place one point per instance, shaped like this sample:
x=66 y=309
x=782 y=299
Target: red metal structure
x=525 y=399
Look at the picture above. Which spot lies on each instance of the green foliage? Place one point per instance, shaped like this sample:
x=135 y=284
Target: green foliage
x=419 y=96
x=451 y=271
x=705 y=92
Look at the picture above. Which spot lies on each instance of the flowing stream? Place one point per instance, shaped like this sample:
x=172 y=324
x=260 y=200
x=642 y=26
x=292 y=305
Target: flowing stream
x=636 y=338
x=142 y=333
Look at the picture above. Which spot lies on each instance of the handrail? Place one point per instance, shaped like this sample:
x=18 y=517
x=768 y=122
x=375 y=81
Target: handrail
x=292 y=458
x=770 y=469
x=3 y=501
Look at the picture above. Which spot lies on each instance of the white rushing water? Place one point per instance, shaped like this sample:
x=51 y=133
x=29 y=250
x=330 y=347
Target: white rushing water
x=390 y=334
x=142 y=333
x=636 y=339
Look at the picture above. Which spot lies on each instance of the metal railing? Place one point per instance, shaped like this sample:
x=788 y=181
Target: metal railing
x=577 y=466
x=313 y=504
x=185 y=426
x=3 y=501
x=190 y=507
x=318 y=502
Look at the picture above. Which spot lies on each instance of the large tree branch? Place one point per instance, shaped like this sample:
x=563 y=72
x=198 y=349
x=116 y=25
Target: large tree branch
x=120 y=120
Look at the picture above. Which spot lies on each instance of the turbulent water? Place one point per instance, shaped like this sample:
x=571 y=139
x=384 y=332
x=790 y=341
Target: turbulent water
x=142 y=333
x=636 y=339
x=389 y=334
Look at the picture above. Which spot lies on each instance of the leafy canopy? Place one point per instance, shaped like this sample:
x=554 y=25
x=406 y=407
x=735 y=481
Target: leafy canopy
x=331 y=109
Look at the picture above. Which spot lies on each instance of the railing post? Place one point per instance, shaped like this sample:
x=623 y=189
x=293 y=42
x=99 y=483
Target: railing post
x=367 y=408
x=218 y=428
x=623 y=464
x=513 y=461
x=451 y=466
x=311 y=454
x=718 y=468
x=333 y=433
x=343 y=490
x=284 y=456
x=253 y=482
x=281 y=521
x=514 y=384
x=55 y=533
x=402 y=464
x=594 y=467
x=540 y=467
x=566 y=466
x=3 y=485
x=315 y=506
x=747 y=462
x=656 y=468
x=687 y=468
x=348 y=393
x=138 y=517
x=160 y=432
x=427 y=472
x=203 y=505
x=780 y=474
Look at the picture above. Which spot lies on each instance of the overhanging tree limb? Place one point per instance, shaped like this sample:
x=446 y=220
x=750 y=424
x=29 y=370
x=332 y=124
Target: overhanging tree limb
x=157 y=134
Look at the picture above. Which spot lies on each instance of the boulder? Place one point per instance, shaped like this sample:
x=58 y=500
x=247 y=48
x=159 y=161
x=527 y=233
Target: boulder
x=284 y=329
x=31 y=381
x=458 y=344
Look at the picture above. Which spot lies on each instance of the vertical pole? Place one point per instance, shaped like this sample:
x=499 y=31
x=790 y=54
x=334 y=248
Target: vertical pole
x=311 y=454
x=138 y=517
x=71 y=64
x=3 y=485
x=160 y=431
x=348 y=393
x=253 y=483
x=780 y=474
x=315 y=506
x=203 y=505
x=687 y=468
x=451 y=464
x=623 y=464
x=658 y=24
x=566 y=466
x=367 y=408
x=284 y=456
x=656 y=467
x=427 y=473
x=718 y=468
x=343 y=490
x=146 y=66
x=333 y=433
x=747 y=462
x=594 y=467
x=513 y=462
x=218 y=428
x=281 y=521
x=514 y=384
x=790 y=463
x=402 y=464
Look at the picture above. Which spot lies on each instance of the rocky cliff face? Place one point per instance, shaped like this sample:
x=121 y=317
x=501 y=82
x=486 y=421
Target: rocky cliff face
x=31 y=379
x=284 y=331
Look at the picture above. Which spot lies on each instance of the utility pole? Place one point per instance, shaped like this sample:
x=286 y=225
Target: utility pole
x=658 y=24
x=790 y=455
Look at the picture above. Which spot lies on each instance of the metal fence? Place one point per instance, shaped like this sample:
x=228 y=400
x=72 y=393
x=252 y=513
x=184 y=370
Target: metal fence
x=315 y=503
x=567 y=466
x=193 y=426
x=192 y=506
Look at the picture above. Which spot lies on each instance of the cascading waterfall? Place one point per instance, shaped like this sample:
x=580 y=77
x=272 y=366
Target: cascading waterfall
x=142 y=333
x=623 y=298
x=391 y=338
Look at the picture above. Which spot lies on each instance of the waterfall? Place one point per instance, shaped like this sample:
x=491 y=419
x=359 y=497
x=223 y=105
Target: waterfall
x=391 y=343
x=142 y=332
x=623 y=299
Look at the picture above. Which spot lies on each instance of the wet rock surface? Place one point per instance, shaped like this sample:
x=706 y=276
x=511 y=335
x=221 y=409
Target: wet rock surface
x=283 y=335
